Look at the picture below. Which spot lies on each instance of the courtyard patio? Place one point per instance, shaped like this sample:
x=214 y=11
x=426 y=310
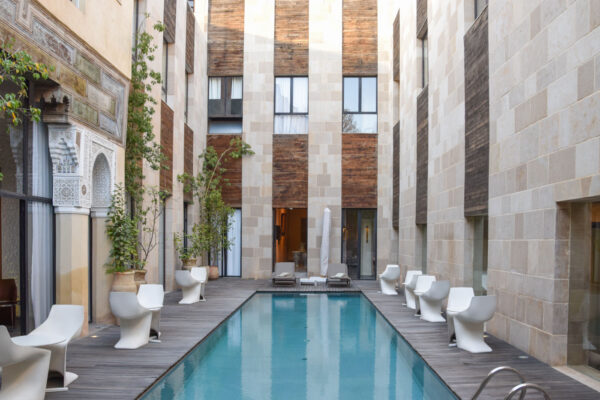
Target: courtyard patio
x=107 y=373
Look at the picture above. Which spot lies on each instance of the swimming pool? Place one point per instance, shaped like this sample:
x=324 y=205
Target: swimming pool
x=302 y=346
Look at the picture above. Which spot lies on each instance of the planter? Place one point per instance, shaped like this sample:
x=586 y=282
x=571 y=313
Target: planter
x=213 y=272
x=189 y=264
x=124 y=282
x=140 y=278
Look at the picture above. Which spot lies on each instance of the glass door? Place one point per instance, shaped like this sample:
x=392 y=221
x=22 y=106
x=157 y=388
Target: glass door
x=231 y=261
x=359 y=242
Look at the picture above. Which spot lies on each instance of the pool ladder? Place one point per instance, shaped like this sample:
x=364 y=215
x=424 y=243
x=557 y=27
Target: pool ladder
x=521 y=387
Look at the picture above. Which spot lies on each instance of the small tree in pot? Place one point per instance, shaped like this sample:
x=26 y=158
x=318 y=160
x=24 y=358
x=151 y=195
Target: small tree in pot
x=210 y=231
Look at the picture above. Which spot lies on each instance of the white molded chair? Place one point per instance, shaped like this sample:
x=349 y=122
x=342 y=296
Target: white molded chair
x=192 y=284
x=431 y=301
x=409 y=289
x=423 y=284
x=388 y=279
x=66 y=321
x=458 y=300
x=24 y=370
x=469 y=324
x=151 y=296
x=134 y=319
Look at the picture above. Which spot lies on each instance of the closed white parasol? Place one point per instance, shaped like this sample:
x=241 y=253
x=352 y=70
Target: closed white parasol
x=325 y=241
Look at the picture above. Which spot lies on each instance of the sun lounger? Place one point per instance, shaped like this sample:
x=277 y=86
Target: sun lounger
x=337 y=275
x=284 y=274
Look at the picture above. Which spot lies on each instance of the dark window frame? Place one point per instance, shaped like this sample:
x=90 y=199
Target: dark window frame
x=424 y=64
x=291 y=77
x=226 y=85
x=360 y=78
x=187 y=97
x=165 y=74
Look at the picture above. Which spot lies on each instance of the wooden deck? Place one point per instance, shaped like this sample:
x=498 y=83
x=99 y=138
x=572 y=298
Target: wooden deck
x=107 y=373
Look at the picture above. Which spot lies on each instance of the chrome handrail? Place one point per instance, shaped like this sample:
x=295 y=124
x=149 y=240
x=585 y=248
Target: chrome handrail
x=522 y=387
x=494 y=372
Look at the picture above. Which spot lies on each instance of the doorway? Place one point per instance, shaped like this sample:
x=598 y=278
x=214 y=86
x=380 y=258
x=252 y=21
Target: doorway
x=359 y=242
x=230 y=260
x=289 y=236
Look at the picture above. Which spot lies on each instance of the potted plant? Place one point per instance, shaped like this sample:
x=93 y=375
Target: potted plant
x=184 y=244
x=210 y=230
x=122 y=230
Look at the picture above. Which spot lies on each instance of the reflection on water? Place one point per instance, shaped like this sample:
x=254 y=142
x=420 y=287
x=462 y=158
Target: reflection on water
x=317 y=346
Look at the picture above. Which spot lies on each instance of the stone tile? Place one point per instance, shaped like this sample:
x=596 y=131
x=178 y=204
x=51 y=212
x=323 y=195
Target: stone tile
x=519 y=335
x=535 y=22
x=585 y=79
x=87 y=67
x=594 y=14
x=518 y=256
x=534 y=312
x=562 y=92
x=597 y=73
x=562 y=165
x=537 y=172
x=587 y=158
x=84 y=111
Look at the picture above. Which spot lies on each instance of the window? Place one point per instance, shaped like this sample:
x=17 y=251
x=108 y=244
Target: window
x=421 y=255
x=78 y=3
x=225 y=97
x=291 y=105
x=480 y=5
x=480 y=251
x=165 y=70
x=187 y=96
x=185 y=224
x=360 y=105
x=191 y=4
x=424 y=62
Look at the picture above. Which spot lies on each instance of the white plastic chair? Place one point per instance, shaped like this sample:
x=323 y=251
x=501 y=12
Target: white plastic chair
x=409 y=289
x=388 y=279
x=134 y=319
x=459 y=299
x=66 y=321
x=469 y=324
x=423 y=284
x=431 y=301
x=24 y=370
x=192 y=284
x=151 y=296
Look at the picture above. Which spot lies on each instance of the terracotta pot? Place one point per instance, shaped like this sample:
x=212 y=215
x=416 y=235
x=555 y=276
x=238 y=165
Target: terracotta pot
x=213 y=272
x=124 y=282
x=140 y=278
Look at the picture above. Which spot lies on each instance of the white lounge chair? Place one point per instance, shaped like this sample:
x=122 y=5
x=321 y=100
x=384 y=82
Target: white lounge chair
x=388 y=279
x=284 y=274
x=431 y=301
x=134 y=319
x=192 y=284
x=469 y=324
x=459 y=299
x=423 y=284
x=24 y=370
x=66 y=321
x=409 y=292
x=151 y=296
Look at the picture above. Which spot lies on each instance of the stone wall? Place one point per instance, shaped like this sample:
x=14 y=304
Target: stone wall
x=544 y=146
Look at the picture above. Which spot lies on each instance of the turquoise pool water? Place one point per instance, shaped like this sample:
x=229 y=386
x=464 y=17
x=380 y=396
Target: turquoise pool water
x=295 y=346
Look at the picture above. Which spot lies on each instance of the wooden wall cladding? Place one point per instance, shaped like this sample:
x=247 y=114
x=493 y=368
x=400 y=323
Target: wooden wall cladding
x=166 y=141
x=290 y=171
x=397 y=47
x=190 y=28
x=226 y=38
x=291 y=37
x=169 y=18
x=477 y=117
x=396 y=178
x=232 y=190
x=422 y=156
x=359 y=170
x=421 y=18
x=359 y=48
x=188 y=155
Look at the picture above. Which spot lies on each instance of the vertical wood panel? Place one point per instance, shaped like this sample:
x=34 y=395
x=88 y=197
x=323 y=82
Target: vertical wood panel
x=359 y=171
x=166 y=141
x=421 y=18
x=188 y=155
x=422 y=156
x=477 y=117
x=291 y=37
x=359 y=47
x=169 y=16
x=232 y=189
x=226 y=38
x=290 y=171
x=190 y=29
x=396 y=178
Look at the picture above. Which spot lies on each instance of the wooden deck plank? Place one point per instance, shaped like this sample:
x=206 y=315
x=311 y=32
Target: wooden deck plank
x=107 y=373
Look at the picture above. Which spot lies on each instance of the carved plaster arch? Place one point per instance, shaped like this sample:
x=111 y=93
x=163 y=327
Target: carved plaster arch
x=101 y=182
